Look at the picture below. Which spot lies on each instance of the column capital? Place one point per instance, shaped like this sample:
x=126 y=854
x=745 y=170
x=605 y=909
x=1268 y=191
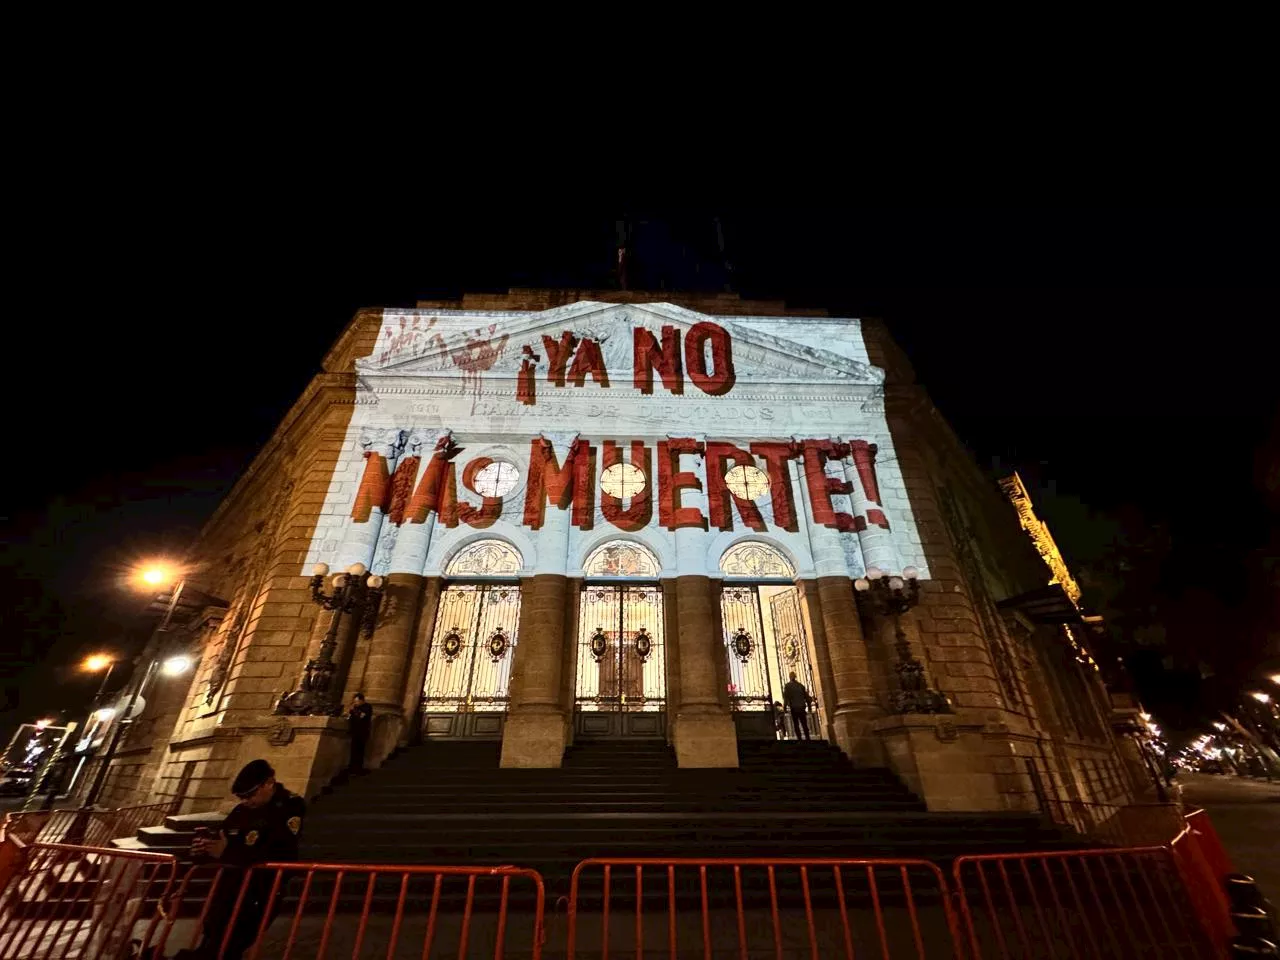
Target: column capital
x=388 y=441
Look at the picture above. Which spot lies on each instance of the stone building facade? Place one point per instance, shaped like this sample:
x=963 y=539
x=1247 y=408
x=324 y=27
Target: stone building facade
x=605 y=514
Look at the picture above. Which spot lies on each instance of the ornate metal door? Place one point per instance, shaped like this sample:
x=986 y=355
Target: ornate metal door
x=793 y=649
x=621 y=687
x=749 y=687
x=469 y=663
x=762 y=653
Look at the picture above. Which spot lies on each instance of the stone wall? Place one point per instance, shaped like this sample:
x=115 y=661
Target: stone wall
x=1029 y=725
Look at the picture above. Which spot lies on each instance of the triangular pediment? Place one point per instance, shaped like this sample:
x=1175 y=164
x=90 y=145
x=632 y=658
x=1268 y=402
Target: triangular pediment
x=426 y=343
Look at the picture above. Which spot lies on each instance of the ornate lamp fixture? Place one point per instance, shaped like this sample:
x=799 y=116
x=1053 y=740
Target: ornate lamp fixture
x=356 y=593
x=894 y=596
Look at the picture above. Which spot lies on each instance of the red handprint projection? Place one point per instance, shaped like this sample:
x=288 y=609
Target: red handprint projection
x=477 y=356
x=410 y=340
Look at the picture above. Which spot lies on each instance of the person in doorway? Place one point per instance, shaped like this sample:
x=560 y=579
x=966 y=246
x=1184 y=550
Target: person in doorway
x=263 y=828
x=797 y=699
x=359 y=722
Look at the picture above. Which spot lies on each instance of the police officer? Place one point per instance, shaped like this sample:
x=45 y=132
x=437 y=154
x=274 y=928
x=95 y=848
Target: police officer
x=263 y=828
x=359 y=722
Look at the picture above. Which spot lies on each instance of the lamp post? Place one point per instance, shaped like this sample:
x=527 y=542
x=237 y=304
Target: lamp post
x=95 y=663
x=894 y=596
x=153 y=577
x=356 y=593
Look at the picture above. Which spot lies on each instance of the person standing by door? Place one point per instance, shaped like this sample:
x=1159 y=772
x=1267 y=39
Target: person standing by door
x=797 y=700
x=359 y=721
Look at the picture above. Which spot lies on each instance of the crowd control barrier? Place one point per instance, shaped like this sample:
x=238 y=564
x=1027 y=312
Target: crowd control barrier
x=82 y=903
x=289 y=910
x=755 y=907
x=1119 y=903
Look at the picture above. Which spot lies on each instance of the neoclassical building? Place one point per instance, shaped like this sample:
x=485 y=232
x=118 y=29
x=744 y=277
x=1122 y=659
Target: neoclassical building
x=550 y=516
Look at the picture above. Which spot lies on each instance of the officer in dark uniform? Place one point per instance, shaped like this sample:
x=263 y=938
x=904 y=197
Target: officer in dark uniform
x=263 y=828
x=359 y=722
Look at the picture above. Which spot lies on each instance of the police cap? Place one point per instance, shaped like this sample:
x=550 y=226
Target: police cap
x=254 y=775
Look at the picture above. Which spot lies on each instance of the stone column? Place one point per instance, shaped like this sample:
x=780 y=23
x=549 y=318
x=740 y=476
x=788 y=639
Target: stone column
x=854 y=707
x=703 y=730
x=420 y=649
x=670 y=634
x=390 y=646
x=843 y=659
x=534 y=735
x=384 y=673
x=360 y=540
x=702 y=725
x=876 y=541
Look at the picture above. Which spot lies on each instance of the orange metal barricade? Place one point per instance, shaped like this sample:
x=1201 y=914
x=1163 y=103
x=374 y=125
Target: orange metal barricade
x=1086 y=903
x=188 y=903
x=819 y=907
x=1206 y=837
x=128 y=819
x=1204 y=884
x=474 y=908
x=89 y=828
x=1118 y=825
x=82 y=903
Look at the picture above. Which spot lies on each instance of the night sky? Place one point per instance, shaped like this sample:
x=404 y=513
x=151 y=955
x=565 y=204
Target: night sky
x=1118 y=358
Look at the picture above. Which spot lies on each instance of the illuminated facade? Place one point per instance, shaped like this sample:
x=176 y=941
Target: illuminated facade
x=606 y=515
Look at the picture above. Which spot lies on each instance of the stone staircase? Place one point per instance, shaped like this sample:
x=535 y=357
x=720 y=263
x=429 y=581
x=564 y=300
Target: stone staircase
x=448 y=802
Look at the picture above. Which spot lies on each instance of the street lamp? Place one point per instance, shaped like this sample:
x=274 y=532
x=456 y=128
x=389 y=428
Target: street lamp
x=176 y=666
x=99 y=661
x=1260 y=696
x=356 y=592
x=151 y=576
x=894 y=596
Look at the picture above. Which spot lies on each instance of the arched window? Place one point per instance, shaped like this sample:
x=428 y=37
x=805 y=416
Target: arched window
x=756 y=560
x=485 y=558
x=622 y=558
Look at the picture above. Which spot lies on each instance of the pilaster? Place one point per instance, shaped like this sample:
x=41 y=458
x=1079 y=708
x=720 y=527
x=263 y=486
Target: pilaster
x=840 y=644
x=534 y=735
x=702 y=726
x=386 y=668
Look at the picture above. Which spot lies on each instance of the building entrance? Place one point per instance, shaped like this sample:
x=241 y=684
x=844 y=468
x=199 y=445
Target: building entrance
x=620 y=688
x=464 y=693
x=765 y=641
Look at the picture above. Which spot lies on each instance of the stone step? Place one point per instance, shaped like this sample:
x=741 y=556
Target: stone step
x=630 y=775
x=497 y=793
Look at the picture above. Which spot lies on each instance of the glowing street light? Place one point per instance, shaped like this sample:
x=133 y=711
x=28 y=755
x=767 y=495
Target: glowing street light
x=1275 y=678
x=176 y=666
x=1260 y=696
x=1220 y=727
x=157 y=575
x=96 y=662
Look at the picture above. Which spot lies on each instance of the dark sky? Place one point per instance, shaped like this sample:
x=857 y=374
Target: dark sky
x=1121 y=359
